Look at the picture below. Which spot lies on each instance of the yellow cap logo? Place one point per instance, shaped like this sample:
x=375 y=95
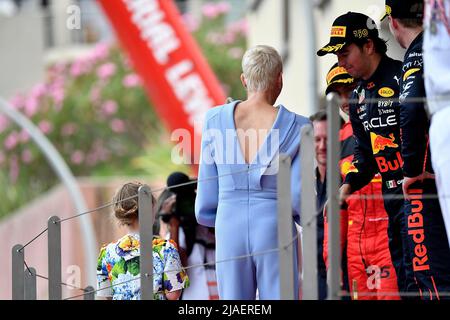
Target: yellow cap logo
x=335 y=48
x=388 y=10
x=361 y=33
x=338 y=31
x=386 y=92
x=334 y=73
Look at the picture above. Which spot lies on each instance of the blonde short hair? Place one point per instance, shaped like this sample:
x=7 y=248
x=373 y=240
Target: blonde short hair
x=261 y=66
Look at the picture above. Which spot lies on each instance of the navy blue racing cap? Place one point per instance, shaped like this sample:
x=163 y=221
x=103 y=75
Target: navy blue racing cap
x=349 y=28
x=404 y=9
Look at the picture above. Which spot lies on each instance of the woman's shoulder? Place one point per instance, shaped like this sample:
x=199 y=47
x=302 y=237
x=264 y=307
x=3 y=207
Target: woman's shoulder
x=213 y=113
x=298 y=119
x=301 y=120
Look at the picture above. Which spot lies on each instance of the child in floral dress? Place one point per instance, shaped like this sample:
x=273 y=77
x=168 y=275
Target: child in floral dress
x=118 y=263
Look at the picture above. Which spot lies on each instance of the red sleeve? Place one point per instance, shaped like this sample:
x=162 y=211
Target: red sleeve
x=344 y=228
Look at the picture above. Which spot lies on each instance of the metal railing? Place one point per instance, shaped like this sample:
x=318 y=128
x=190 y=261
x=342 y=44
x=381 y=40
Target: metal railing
x=24 y=277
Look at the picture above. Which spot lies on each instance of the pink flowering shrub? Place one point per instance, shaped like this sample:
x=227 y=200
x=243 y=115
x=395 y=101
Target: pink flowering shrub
x=223 y=43
x=95 y=112
x=212 y=10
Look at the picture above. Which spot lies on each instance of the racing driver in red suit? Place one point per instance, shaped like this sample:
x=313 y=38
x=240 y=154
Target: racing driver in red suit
x=370 y=271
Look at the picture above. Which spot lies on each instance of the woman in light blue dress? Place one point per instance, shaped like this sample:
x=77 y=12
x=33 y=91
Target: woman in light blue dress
x=241 y=143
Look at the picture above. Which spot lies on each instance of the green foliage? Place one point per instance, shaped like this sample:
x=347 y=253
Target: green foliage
x=94 y=115
x=97 y=115
x=224 y=45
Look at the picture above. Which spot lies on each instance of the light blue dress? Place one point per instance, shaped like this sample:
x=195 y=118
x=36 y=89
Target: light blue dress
x=242 y=203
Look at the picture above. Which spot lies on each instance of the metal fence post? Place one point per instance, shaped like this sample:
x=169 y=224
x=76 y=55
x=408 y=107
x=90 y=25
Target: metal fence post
x=18 y=282
x=54 y=259
x=286 y=255
x=146 y=236
x=333 y=182
x=308 y=214
x=30 y=284
x=89 y=293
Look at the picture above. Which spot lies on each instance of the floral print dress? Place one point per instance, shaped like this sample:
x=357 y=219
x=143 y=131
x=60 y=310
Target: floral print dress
x=118 y=269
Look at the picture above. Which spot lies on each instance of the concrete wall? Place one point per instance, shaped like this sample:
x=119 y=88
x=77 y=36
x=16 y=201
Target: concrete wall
x=21 y=54
x=266 y=28
x=32 y=38
x=61 y=34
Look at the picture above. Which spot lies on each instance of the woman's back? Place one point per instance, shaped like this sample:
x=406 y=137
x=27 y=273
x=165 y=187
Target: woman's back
x=237 y=182
x=242 y=202
x=253 y=122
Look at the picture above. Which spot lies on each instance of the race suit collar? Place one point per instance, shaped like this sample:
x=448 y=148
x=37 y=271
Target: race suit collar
x=377 y=75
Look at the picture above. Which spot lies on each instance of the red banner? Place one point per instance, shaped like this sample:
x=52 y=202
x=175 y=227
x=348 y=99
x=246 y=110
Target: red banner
x=174 y=72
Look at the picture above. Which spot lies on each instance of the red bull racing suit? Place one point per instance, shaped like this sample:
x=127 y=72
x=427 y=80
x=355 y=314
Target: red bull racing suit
x=370 y=270
x=427 y=237
x=375 y=119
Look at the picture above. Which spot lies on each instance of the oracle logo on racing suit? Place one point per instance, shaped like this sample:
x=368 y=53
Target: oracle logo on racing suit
x=380 y=122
